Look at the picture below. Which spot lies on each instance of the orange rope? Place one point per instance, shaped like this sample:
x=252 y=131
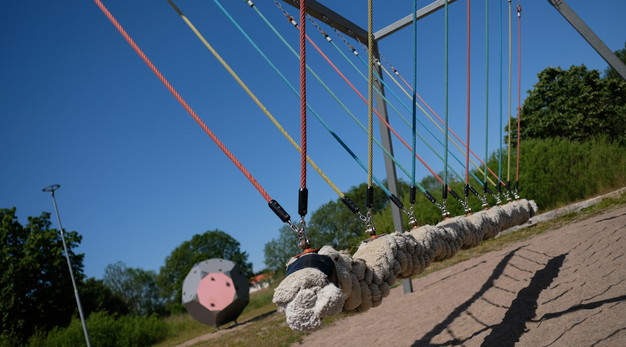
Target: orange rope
x=182 y=102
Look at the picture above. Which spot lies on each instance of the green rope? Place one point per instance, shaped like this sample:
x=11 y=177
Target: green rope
x=370 y=93
x=500 y=96
x=445 y=161
x=486 y=87
x=414 y=126
x=508 y=170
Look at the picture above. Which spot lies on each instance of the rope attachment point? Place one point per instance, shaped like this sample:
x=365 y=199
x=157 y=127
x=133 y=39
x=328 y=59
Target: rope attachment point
x=303 y=241
x=466 y=191
x=370 y=229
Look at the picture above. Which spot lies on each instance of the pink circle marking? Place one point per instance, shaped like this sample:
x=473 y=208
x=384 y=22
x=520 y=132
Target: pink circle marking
x=216 y=291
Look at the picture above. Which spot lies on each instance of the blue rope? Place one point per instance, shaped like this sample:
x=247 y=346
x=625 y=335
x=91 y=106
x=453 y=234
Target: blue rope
x=445 y=165
x=486 y=87
x=414 y=127
x=405 y=121
x=297 y=93
x=501 y=138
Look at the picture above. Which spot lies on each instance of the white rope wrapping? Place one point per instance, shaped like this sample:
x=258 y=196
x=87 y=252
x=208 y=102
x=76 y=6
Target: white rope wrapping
x=306 y=296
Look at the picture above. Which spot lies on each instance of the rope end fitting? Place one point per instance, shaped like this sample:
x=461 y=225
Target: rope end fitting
x=370 y=229
x=303 y=201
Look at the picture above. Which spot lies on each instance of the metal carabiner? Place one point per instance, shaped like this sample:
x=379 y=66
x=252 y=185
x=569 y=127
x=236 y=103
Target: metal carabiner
x=411 y=217
x=370 y=229
x=444 y=210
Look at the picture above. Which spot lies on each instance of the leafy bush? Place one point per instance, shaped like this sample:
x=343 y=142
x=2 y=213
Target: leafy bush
x=556 y=172
x=106 y=330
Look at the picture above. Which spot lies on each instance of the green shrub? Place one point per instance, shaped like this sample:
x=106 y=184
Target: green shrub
x=556 y=172
x=105 y=330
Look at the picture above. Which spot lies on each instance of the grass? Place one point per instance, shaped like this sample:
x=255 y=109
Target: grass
x=266 y=328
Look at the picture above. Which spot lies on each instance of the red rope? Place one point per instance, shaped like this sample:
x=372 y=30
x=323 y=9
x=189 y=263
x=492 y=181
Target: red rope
x=182 y=102
x=519 y=85
x=303 y=144
x=375 y=111
x=467 y=156
x=451 y=131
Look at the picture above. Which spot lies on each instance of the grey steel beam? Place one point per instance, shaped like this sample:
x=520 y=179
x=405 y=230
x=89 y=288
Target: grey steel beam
x=421 y=13
x=390 y=167
x=590 y=36
x=332 y=18
x=339 y=22
x=385 y=136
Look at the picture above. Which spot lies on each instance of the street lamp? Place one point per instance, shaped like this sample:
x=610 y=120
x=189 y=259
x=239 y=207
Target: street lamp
x=51 y=190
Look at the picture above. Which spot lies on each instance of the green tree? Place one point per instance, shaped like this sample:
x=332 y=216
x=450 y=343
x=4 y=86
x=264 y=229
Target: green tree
x=97 y=297
x=574 y=104
x=334 y=224
x=610 y=72
x=211 y=244
x=137 y=287
x=278 y=251
x=35 y=287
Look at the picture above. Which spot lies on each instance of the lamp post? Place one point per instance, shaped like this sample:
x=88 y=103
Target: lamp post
x=51 y=190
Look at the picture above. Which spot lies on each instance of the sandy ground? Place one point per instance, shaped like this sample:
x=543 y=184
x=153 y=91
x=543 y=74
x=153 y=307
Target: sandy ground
x=566 y=287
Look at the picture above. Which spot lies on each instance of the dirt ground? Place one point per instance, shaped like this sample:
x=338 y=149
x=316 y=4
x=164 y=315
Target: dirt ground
x=566 y=287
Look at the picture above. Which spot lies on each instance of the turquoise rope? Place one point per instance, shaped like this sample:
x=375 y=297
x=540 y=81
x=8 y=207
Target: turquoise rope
x=501 y=89
x=414 y=127
x=486 y=87
x=406 y=122
x=296 y=92
x=445 y=162
x=317 y=116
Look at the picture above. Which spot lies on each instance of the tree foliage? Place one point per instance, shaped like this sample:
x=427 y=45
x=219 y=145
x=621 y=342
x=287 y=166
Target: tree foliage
x=35 y=286
x=610 y=72
x=331 y=224
x=574 y=104
x=556 y=172
x=136 y=287
x=278 y=251
x=97 y=297
x=211 y=244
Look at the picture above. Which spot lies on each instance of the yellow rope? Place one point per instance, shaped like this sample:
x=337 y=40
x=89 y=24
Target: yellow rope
x=253 y=97
x=456 y=144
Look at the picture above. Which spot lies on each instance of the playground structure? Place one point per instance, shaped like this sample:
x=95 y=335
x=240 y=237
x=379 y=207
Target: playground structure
x=309 y=293
x=215 y=292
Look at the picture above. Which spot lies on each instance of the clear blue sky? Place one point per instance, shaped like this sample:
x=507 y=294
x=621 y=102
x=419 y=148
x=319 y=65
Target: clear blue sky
x=80 y=109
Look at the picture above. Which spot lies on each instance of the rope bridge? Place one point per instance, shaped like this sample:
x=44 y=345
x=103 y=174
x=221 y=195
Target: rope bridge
x=324 y=282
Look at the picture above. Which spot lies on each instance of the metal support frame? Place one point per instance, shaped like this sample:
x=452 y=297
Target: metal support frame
x=385 y=135
x=590 y=36
x=421 y=13
x=349 y=28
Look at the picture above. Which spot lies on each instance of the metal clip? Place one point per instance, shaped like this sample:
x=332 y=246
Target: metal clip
x=507 y=195
x=299 y=229
x=444 y=210
x=369 y=225
x=466 y=206
x=483 y=199
x=498 y=200
x=411 y=217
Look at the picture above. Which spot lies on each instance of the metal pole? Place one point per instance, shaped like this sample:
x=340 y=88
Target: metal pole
x=590 y=36
x=51 y=190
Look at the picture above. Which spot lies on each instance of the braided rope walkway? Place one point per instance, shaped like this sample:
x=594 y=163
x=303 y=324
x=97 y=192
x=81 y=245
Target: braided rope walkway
x=364 y=279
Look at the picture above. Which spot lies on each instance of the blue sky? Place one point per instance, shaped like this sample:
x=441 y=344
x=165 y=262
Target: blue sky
x=80 y=109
